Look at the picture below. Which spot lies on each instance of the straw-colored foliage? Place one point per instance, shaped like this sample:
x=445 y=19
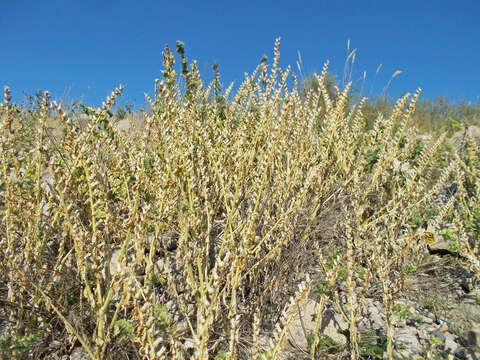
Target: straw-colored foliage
x=213 y=208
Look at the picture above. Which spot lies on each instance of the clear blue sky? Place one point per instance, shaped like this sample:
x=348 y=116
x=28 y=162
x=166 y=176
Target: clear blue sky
x=86 y=48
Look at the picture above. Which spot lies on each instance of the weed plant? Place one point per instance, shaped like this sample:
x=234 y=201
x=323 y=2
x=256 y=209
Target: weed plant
x=212 y=205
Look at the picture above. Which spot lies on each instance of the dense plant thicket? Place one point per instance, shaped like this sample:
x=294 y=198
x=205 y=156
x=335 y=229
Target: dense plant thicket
x=200 y=230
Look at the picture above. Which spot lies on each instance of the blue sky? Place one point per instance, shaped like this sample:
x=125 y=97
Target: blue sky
x=81 y=50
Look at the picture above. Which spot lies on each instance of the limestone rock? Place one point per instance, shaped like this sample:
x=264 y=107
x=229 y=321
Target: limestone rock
x=408 y=339
x=458 y=138
x=303 y=325
x=331 y=324
x=470 y=339
x=79 y=353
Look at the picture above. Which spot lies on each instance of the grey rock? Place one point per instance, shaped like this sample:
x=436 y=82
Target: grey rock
x=304 y=324
x=376 y=317
x=181 y=327
x=47 y=182
x=364 y=324
x=432 y=316
x=401 y=354
x=450 y=344
x=470 y=339
x=470 y=310
x=79 y=353
x=440 y=244
x=190 y=344
x=408 y=338
x=427 y=320
x=331 y=324
x=171 y=306
x=457 y=139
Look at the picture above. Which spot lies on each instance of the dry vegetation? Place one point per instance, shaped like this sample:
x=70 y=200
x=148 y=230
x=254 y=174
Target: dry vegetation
x=220 y=209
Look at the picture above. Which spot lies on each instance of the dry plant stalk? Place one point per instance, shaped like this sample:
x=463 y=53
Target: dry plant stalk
x=175 y=241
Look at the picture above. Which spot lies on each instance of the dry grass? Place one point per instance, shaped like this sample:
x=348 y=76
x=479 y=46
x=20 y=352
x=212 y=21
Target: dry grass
x=212 y=208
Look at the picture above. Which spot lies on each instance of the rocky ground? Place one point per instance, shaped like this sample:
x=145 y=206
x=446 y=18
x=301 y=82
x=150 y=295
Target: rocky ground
x=438 y=316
